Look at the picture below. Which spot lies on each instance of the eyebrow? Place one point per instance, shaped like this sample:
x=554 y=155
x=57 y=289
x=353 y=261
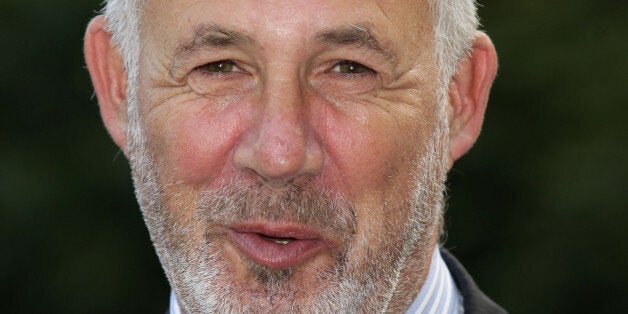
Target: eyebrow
x=216 y=36
x=212 y=35
x=208 y=36
x=357 y=35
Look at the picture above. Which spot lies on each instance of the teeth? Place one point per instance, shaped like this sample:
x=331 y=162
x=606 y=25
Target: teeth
x=284 y=242
x=278 y=240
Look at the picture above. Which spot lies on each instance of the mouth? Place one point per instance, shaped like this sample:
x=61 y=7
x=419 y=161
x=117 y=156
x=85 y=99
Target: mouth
x=277 y=245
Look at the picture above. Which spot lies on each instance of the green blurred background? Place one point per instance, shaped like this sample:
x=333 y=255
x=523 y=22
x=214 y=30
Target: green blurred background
x=536 y=209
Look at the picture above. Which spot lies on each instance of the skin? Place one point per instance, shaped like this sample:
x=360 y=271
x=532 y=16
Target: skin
x=285 y=115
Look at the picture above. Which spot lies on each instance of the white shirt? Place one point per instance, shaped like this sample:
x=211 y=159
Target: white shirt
x=439 y=293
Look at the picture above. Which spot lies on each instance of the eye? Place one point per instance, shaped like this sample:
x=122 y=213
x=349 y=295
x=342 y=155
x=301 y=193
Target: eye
x=350 y=67
x=220 y=67
x=221 y=78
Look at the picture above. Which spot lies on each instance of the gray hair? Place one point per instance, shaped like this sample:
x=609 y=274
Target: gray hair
x=123 y=24
x=455 y=24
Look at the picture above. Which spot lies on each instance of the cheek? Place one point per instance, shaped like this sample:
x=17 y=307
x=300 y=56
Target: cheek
x=375 y=152
x=194 y=146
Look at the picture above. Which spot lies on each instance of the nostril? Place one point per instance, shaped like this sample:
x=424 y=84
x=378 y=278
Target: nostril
x=277 y=165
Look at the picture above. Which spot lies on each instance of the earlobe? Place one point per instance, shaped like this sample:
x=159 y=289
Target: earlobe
x=106 y=69
x=468 y=94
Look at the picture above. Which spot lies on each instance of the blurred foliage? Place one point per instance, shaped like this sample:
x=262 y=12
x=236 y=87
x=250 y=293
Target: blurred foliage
x=536 y=208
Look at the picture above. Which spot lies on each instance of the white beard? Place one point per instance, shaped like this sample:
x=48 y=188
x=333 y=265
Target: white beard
x=200 y=275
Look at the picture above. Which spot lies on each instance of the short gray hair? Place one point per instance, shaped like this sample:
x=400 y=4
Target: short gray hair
x=455 y=22
x=123 y=20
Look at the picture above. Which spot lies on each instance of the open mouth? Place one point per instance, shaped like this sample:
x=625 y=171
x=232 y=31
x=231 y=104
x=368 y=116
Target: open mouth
x=277 y=240
x=276 y=246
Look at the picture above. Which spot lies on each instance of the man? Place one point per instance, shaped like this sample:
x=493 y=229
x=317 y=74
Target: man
x=290 y=156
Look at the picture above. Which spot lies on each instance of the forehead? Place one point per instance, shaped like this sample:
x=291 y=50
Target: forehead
x=168 y=22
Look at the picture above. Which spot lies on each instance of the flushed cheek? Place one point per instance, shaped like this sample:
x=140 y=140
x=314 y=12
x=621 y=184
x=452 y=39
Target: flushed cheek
x=369 y=150
x=195 y=145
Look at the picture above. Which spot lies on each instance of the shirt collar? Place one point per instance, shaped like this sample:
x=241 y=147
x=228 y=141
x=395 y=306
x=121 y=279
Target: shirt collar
x=439 y=293
x=174 y=304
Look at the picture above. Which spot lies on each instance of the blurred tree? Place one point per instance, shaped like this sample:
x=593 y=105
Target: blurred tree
x=536 y=208
x=76 y=242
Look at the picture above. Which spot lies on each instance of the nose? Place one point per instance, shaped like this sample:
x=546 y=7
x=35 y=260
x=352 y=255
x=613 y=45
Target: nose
x=280 y=144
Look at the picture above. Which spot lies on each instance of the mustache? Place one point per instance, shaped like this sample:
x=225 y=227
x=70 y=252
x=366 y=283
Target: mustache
x=300 y=202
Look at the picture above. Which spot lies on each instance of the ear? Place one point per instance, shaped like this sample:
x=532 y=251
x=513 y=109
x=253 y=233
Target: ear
x=106 y=68
x=468 y=96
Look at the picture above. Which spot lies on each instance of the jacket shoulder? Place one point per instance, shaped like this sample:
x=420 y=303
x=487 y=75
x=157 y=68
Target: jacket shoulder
x=475 y=301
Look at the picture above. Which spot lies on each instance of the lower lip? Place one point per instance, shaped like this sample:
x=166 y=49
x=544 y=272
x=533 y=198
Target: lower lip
x=272 y=254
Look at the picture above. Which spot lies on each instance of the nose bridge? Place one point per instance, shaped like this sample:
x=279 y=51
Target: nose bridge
x=282 y=127
x=282 y=101
x=279 y=145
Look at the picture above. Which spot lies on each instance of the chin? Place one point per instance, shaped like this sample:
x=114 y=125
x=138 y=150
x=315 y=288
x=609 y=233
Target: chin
x=217 y=285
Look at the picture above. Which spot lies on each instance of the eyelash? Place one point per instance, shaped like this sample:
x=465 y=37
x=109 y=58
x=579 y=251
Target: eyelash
x=356 y=68
x=230 y=65
x=343 y=68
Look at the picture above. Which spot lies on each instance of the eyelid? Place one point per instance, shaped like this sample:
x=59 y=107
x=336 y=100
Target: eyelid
x=235 y=68
x=362 y=69
x=356 y=63
x=214 y=82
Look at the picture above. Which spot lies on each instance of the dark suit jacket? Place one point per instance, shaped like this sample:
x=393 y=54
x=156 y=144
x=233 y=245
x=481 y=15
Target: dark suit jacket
x=475 y=301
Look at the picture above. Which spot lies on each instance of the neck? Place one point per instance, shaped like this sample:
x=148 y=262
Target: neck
x=413 y=274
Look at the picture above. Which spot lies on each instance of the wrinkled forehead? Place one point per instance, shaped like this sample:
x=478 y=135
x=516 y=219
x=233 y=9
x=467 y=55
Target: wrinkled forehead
x=405 y=25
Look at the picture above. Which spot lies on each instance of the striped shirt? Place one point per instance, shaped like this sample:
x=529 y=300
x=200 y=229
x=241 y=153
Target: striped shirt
x=174 y=304
x=438 y=294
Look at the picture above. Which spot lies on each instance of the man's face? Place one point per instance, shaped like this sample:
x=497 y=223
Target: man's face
x=293 y=152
